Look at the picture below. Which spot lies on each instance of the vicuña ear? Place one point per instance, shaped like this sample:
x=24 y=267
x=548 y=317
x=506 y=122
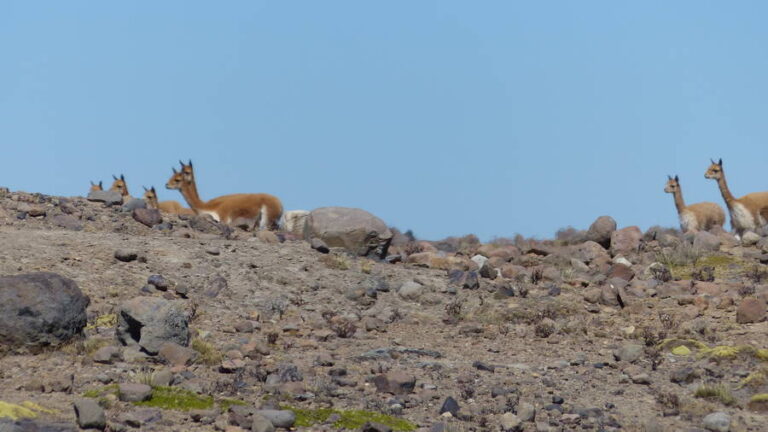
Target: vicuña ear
x=676 y=178
x=113 y=176
x=669 y=177
x=190 y=163
x=92 y=183
x=145 y=188
x=720 y=162
x=174 y=170
x=182 y=163
x=122 y=177
x=99 y=183
x=153 y=189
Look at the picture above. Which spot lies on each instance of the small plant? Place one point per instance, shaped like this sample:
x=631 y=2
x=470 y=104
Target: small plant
x=209 y=355
x=660 y=272
x=537 y=275
x=652 y=336
x=145 y=376
x=343 y=327
x=668 y=400
x=335 y=262
x=756 y=273
x=544 y=329
x=366 y=266
x=276 y=306
x=272 y=337
x=717 y=392
x=703 y=274
x=667 y=321
x=684 y=254
x=755 y=379
x=453 y=310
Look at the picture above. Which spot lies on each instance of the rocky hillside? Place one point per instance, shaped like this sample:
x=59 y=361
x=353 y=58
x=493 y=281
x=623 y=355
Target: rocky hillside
x=117 y=319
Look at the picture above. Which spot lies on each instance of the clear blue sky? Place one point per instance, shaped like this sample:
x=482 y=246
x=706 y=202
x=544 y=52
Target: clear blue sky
x=445 y=117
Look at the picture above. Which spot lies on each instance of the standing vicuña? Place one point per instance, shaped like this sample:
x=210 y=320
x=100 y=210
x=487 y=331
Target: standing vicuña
x=170 y=206
x=700 y=216
x=249 y=210
x=748 y=212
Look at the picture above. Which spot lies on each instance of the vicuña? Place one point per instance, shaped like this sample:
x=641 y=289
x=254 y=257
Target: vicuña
x=700 y=216
x=748 y=212
x=120 y=186
x=243 y=210
x=170 y=206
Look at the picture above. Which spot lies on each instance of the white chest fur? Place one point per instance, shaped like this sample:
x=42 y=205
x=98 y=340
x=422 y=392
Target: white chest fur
x=688 y=221
x=742 y=217
x=212 y=214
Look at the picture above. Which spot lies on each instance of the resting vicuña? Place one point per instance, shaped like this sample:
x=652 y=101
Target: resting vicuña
x=120 y=186
x=170 y=206
x=245 y=210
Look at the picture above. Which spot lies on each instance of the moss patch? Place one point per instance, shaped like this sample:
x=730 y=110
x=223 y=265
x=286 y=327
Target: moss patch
x=170 y=398
x=101 y=391
x=349 y=419
x=724 y=265
x=762 y=354
x=758 y=402
x=672 y=344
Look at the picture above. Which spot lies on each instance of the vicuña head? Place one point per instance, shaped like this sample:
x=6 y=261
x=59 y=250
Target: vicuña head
x=715 y=170
x=748 y=212
x=244 y=210
x=170 y=206
x=150 y=196
x=95 y=187
x=695 y=217
x=120 y=186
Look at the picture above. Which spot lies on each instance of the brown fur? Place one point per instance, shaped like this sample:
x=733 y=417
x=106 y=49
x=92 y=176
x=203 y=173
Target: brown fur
x=235 y=209
x=170 y=206
x=756 y=204
x=707 y=215
x=119 y=185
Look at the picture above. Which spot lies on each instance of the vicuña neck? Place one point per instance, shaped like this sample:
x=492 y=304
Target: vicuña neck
x=189 y=192
x=679 y=202
x=723 y=185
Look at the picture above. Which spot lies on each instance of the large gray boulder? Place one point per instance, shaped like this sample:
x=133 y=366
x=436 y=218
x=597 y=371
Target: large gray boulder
x=40 y=309
x=354 y=229
x=150 y=322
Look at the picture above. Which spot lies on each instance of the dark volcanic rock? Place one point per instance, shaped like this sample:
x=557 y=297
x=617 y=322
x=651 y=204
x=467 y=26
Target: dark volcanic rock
x=40 y=309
